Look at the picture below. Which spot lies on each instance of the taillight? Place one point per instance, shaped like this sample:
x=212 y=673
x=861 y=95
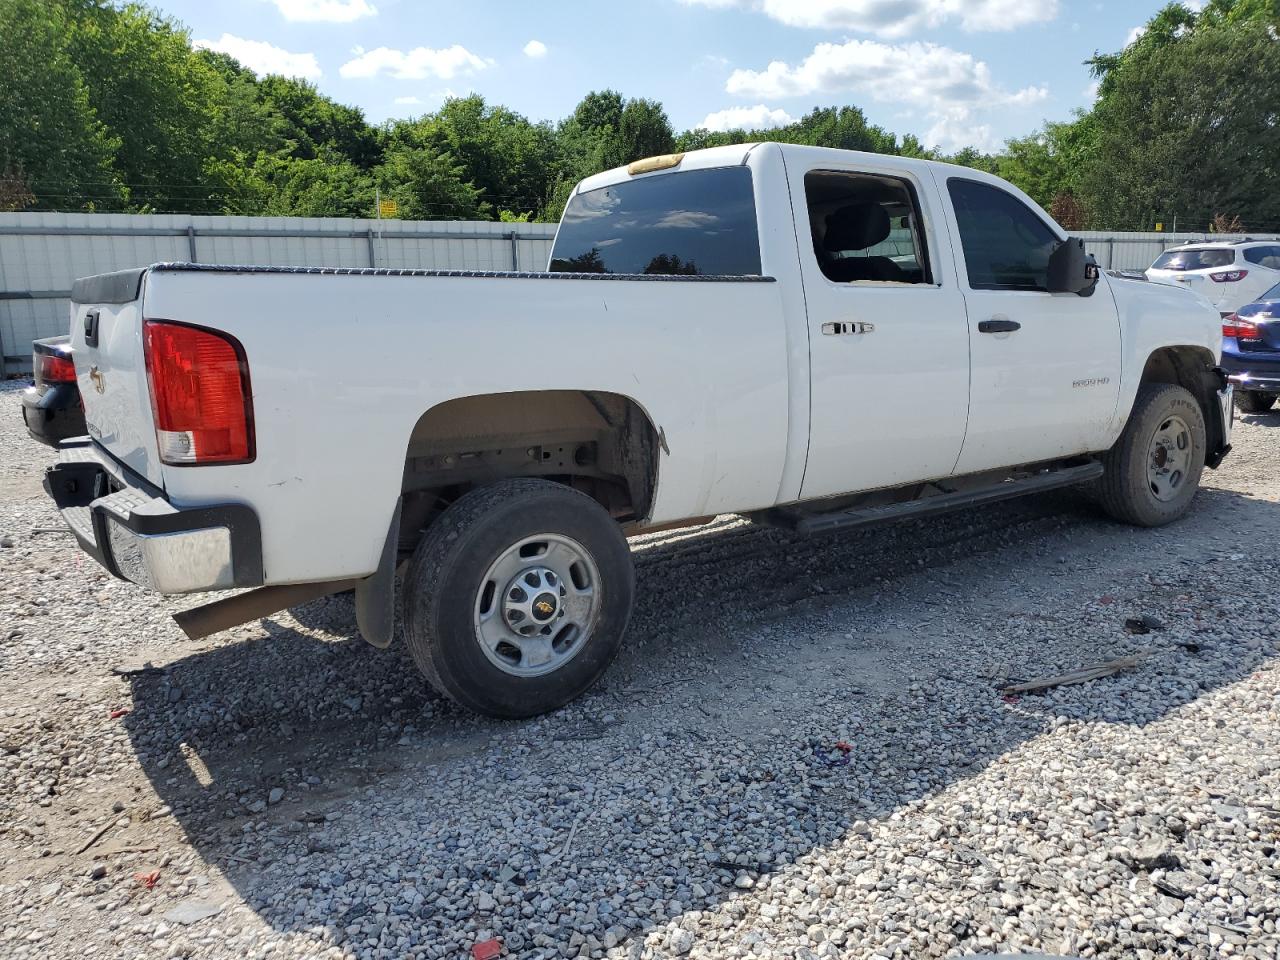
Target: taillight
x=1228 y=276
x=53 y=368
x=199 y=381
x=1233 y=326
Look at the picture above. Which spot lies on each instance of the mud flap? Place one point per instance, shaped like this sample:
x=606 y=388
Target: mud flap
x=376 y=594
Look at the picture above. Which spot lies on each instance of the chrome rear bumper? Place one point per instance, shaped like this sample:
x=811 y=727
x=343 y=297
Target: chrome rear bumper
x=129 y=527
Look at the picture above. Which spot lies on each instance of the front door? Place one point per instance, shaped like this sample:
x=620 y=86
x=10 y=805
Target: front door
x=1046 y=366
x=888 y=343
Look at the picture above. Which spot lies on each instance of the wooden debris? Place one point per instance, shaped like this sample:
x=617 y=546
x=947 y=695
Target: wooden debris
x=1082 y=675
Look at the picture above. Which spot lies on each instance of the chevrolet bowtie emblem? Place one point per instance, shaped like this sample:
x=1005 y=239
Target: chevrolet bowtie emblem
x=99 y=382
x=544 y=607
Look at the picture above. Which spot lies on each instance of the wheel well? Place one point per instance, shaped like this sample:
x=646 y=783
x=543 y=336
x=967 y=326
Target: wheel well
x=600 y=443
x=1192 y=368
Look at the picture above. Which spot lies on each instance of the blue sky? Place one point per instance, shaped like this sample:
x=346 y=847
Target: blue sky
x=954 y=72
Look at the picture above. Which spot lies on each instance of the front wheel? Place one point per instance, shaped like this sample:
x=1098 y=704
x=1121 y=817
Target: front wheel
x=1152 y=473
x=1254 y=401
x=517 y=597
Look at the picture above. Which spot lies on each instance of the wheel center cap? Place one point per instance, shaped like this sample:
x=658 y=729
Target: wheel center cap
x=1162 y=455
x=545 y=606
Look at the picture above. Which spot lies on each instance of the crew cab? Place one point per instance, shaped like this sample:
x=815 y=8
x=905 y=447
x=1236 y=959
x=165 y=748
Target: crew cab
x=814 y=338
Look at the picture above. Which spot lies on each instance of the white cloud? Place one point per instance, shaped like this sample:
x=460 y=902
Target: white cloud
x=263 y=58
x=535 y=49
x=758 y=117
x=416 y=64
x=408 y=101
x=325 y=11
x=896 y=18
x=947 y=85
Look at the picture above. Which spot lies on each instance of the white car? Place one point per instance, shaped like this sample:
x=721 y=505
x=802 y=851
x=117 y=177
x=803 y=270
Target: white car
x=815 y=338
x=1229 y=273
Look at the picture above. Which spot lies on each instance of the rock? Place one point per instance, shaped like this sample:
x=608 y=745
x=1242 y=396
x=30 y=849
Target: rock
x=98 y=872
x=1153 y=855
x=680 y=941
x=276 y=795
x=192 y=911
x=485 y=902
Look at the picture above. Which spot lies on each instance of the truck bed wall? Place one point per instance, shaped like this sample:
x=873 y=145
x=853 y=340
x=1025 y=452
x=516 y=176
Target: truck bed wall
x=705 y=359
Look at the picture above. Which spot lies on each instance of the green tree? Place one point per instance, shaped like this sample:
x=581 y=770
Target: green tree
x=1188 y=127
x=427 y=185
x=643 y=131
x=153 y=93
x=503 y=155
x=54 y=150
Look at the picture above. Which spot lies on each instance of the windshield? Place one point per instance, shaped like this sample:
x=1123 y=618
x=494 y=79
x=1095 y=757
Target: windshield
x=1194 y=259
x=1272 y=294
x=702 y=222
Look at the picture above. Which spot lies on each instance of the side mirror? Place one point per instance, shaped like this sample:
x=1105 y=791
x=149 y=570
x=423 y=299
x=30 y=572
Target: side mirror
x=1071 y=270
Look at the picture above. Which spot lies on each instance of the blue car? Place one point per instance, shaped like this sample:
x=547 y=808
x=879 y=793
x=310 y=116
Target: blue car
x=1251 y=352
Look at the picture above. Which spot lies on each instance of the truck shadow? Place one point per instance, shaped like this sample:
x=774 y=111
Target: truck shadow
x=829 y=682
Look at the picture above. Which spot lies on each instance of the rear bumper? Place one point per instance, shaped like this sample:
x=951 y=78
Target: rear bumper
x=55 y=415
x=129 y=527
x=1250 y=372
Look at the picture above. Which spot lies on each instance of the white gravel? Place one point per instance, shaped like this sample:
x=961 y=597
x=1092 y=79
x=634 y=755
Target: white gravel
x=802 y=752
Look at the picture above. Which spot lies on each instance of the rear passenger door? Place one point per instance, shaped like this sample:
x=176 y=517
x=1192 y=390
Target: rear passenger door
x=888 y=345
x=1045 y=366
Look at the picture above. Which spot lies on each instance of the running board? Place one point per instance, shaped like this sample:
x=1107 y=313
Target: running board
x=809 y=523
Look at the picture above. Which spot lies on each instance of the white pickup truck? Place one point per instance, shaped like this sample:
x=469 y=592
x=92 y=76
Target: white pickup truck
x=810 y=337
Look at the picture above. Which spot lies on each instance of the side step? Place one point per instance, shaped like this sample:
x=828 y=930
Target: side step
x=808 y=523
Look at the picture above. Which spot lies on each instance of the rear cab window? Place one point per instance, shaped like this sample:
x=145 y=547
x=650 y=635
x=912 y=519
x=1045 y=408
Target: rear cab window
x=1194 y=259
x=692 y=223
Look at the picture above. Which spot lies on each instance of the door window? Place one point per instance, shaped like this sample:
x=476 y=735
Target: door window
x=1006 y=245
x=866 y=228
x=1264 y=256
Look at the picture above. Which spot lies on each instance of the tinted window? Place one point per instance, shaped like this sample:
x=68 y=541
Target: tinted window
x=701 y=222
x=1272 y=294
x=865 y=228
x=1264 y=256
x=1193 y=259
x=1006 y=245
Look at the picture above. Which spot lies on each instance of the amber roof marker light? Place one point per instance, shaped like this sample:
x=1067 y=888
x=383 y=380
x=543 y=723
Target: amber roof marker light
x=649 y=164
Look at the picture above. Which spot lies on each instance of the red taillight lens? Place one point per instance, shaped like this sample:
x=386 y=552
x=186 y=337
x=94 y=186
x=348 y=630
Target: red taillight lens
x=1233 y=326
x=51 y=368
x=1228 y=276
x=199 y=382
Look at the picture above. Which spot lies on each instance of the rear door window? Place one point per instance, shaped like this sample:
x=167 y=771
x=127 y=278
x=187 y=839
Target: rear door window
x=697 y=223
x=1194 y=259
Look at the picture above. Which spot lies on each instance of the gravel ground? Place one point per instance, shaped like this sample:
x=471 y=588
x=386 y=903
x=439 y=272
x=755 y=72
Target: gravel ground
x=803 y=751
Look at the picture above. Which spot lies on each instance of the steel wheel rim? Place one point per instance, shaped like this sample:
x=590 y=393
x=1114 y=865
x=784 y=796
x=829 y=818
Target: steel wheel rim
x=537 y=605
x=1169 y=459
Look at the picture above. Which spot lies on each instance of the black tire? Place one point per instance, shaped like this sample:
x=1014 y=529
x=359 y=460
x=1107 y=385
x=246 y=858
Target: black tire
x=1125 y=490
x=441 y=593
x=1254 y=401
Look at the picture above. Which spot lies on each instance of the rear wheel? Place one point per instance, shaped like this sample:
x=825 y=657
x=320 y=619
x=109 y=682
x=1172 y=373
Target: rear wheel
x=517 y=597
x=1153 y=471
x=1254 y=401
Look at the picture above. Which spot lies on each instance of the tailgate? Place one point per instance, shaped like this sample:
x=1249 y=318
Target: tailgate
x=106 y=340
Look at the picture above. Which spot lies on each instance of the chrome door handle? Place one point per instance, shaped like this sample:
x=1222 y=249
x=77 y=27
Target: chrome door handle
x=846 y=327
